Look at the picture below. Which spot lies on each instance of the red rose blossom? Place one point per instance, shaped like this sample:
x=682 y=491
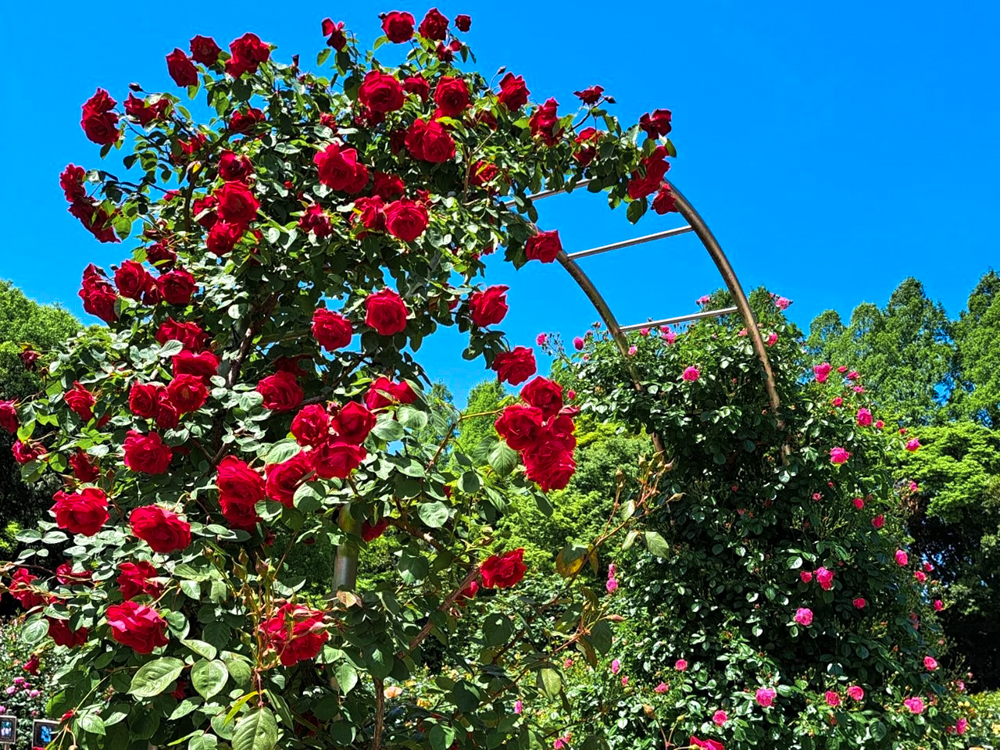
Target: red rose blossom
x=337 y=459
x=285 y=478
x=489 y=306
x=311 y=426
x=202 y=364
x=503 y=571
x=590 y=95
x=181 y=69
x=515 y=366
x=84 y=468
x=339 y=169
x=81 y=401
x=248 y=52
x=405 y=219
x=463 y=22
x=177 y=286
x=98 y=296
x=520 y=425
x=544 y=246
x=398 y=26
x=204 y=50
x=281 y=391
x=134 y=579
x=380 y=92
x=417 y=85
x=513 y=92
x=163 y=530
x=8 y=416
x=353 y=422
x=60 y=632
x=544 y=394
x=295 y=633
x=314 y=219
x=236 y=203
x=544 y=123
x=331 y=330
x=84 y=512
x=146 y=453
x=240 y=489
x=187 y=392
x=386 y=312
x=451 y=96
x=429 y=141
x=656 y=124
x=434 y=26
x=137 y=626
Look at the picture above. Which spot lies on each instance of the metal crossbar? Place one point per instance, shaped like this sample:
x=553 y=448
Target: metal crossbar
x=629 y=243
x=680 y=319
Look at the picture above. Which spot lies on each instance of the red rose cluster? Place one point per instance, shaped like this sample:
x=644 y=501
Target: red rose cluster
x=650 y=179
x=515 y=366
x=295 y=633
x=542 y=430
x=87 y=210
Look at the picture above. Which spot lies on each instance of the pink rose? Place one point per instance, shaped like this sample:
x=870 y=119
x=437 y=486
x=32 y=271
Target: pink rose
x=681 y=665
x=856 y=693
x=831 y=698
x=804 y=616
x=915 y=705
x=765 y=697
x=839 y=455
x=902 y=558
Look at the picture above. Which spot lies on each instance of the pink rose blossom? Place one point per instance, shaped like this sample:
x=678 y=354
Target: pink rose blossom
x=879 y=424
x=864 y=417
x=615 y=666
x=928 y=567
x=661 y=688
x=938 y=605
x=567 y=664
x=782 y=303
x=822 y=372
x=856 y=693
x=859 y=502
x=920 y=575
x=913 y=445
x=879 y=521
x=916 y=705
x=720 y=718
x=611 y=585
x=765 y=697
x=703 y=300
x=842 y=368
x=691 y=374
x=804 y=616
x=668 y=334
x=825 y=578
x=817 y=496
x=578 y=343
x=632 y=350
x=853 y=375
x=743 y=332
x=831 y=698
x=930 y=663
x=838 y=455
x=624 y=681
x=860 y=603
x=644 y=332
x=961 y=725
x=806 y=576
x=859 y=389
x=518 y=707
x=541 y=338
x=772 y=339
x=837 y=401
x=681 y=665
x=902 y=558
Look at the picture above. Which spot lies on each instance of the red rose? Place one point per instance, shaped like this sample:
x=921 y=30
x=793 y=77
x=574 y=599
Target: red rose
x=243 y=122
x=132 y=280
x=284 y=478
x=544 y=394
x=664 y=202
x=337 y=459
x=398 y=26
x=311 y=425
x=144 y=113
x=353 y=422
x=482 y=173
x=417 y=85
x=81 y=401
x=544 y=246
x=372 y=531
x=189 y=334
x=386 y=312
x=429 y=141
x=380 y=394
x=296 y=633
x=161 y=256
x=22 y=589
x=96 y=221
x=187 y=392
x=315 y=220
x=167 y=414
x=134 y=579
x=339 y=169
x=559 y=431
x=223 y=236
x=281 y=391
x=71 y=181
x=434 y=26
x=234 y=168
x=549 y=464
x=586 y=140
x=544 y=122
x=146 y=453
x=590 y=95
x=503 y=571
x=237 y=203
x=204 y=50
x=248 y=52
x=451 y=96
x=488 y=307
x=69 y=577
x=202 y=364
x=515 y=366
x=163 y=530
x=387 y=186
x=405 y=219
x=240 y=489
x=98 y=296
x=370 y=212
x=463 y=22
x=656 y=124
x=177 y=286
x=28 y=357
x=84 y=512
x=181 y=69
x=8 y=416
x=99 y=123
x=332 y=330
x=84 y=469
x=640 y=185
x=520 y=426
x=137 y=626
x=60 y=633
x=25 y=453
x=334 y=33
x=380 y=92
x=143 y=399
x=513 y=92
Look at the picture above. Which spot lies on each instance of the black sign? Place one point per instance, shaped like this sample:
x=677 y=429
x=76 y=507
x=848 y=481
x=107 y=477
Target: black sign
x=8 y=730
x=43 y=732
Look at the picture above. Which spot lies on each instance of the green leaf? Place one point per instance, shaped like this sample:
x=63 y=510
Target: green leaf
x=257 y=730
x=388 y=429
x=497 y=628
x=91 y=723
x=209 y=677
x=656 y=544
x=441 y=737
x=201 y=648
x=34 y=631
x=203 y=742
x=470 y=483
x=347 y=676
x=550 y=682
x=503 y=459
x=281 y=452
x=155 y=677
x=433 y=514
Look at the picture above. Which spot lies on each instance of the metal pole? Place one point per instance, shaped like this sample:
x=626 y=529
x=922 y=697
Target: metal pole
x=345 y=567
x=629 y=243
x=680 y=319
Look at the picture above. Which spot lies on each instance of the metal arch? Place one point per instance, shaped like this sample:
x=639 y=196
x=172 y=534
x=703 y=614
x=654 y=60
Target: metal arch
x=696 y=224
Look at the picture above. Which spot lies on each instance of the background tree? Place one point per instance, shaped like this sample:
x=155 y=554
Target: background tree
x=977 y=339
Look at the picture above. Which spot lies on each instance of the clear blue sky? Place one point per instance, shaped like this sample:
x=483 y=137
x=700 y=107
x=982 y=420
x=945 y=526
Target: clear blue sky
x=834 y=148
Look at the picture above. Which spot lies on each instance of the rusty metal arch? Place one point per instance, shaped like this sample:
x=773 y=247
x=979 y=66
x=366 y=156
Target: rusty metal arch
x=346 y=563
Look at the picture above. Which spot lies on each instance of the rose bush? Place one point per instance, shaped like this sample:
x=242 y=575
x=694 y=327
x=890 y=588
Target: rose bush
x=258 y=389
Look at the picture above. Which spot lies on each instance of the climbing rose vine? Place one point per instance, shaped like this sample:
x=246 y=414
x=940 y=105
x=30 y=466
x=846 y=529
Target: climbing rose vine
x=257 y=388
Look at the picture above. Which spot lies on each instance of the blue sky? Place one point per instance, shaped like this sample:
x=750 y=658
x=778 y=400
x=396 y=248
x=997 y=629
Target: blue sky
x=834 y=148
